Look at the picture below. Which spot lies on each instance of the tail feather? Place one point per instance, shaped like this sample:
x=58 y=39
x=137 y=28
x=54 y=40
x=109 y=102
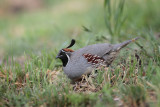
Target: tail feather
x=118 y=47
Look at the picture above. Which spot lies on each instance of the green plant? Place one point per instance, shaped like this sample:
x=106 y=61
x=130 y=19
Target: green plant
x=114 y=17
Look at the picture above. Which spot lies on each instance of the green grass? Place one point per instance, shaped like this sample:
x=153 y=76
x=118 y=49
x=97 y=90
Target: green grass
x=31 y=76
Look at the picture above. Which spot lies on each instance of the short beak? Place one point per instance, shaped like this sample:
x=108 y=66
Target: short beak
x=57 y=57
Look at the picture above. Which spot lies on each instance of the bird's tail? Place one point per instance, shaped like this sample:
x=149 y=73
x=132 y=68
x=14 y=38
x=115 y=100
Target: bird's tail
x=118 y=47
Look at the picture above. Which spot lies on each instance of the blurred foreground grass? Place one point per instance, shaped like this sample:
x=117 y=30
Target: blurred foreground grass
x=30 y=75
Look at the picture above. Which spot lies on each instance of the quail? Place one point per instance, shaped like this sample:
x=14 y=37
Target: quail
x=86 y=59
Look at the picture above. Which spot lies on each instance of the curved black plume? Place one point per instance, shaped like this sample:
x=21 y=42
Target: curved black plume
x=72 y=43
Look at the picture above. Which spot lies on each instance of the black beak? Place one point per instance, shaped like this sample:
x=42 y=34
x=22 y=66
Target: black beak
x=57 y=57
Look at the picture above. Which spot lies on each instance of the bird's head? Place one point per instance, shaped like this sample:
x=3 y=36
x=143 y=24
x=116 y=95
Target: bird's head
x=64 y=54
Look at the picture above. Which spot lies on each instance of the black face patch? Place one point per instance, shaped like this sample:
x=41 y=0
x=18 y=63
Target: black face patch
x=64 y=56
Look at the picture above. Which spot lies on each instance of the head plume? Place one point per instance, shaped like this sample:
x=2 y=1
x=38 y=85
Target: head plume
x=71 y=44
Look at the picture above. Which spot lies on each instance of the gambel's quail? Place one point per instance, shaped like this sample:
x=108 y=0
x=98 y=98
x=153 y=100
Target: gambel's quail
x=85 y=60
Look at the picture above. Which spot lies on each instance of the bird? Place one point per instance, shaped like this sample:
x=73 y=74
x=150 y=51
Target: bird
x=85 y=60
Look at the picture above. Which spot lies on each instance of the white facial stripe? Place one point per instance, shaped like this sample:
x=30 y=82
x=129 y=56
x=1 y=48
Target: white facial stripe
x=62 y=50
x=68 y=58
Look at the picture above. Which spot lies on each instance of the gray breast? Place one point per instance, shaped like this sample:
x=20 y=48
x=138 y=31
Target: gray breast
x=76 y=68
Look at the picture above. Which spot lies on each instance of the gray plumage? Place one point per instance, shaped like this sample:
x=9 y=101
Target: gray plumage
x=77 y=64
